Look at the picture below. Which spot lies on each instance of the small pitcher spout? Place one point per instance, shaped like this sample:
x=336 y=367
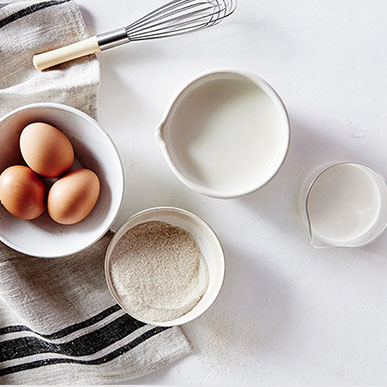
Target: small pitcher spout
x=317 y=243
x=159 y=134
x=315 y=239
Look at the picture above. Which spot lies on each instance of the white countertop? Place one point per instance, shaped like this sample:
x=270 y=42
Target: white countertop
x=287 y=313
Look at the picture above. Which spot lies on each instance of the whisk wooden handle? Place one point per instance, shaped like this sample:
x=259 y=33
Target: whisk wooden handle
x=60 y=55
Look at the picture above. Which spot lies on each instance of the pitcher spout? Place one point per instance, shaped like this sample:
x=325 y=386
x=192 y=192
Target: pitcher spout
x=317 y=243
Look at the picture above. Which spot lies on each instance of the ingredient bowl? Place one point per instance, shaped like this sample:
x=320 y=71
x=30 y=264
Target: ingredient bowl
x=205 y=237
x=343 y=204
x=94 y=150
x=225 y=134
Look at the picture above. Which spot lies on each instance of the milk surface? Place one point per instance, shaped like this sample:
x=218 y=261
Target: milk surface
x=227 y=134
x=344 y=203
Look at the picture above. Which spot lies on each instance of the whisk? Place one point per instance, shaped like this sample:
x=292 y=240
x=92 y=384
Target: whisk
x=174 y=18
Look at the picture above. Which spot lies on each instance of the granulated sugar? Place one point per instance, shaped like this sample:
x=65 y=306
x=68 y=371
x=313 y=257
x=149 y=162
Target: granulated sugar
x=158 y=271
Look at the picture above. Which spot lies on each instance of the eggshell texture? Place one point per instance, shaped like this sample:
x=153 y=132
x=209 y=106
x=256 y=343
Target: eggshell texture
x=72 y=197
x=22 y=193
x=46 y=150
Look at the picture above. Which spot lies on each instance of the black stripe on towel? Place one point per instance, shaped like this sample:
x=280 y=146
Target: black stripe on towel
x=66 y=331
x=104 y=359
x=27 y=11
x=87 y=344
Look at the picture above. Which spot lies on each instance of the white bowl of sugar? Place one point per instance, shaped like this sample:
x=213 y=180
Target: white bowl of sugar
x=165 y=266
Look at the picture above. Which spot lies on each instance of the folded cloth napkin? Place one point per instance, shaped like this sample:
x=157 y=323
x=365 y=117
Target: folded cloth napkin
x=58 y=322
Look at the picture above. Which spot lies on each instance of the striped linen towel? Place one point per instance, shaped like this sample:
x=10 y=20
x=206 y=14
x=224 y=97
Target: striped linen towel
x=58 y=322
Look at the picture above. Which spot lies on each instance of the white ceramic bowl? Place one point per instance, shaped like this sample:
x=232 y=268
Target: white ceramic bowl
x=177 y=137
x=94 y=149
x=209 y=245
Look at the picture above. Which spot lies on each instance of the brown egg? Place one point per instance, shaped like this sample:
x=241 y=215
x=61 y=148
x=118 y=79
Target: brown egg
x=46 y=150
x=22 y=193
x=72 y=197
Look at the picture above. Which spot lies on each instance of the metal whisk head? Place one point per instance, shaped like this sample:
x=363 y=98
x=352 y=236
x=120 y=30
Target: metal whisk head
x=174 y=18
x=180 y=17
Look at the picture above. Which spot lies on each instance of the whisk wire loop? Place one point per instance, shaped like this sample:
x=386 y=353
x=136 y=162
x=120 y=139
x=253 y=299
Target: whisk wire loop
x=180 y=17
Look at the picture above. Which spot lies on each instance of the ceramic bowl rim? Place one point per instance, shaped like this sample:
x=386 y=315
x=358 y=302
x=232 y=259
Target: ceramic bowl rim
x=117 y=237
x=179 y=95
